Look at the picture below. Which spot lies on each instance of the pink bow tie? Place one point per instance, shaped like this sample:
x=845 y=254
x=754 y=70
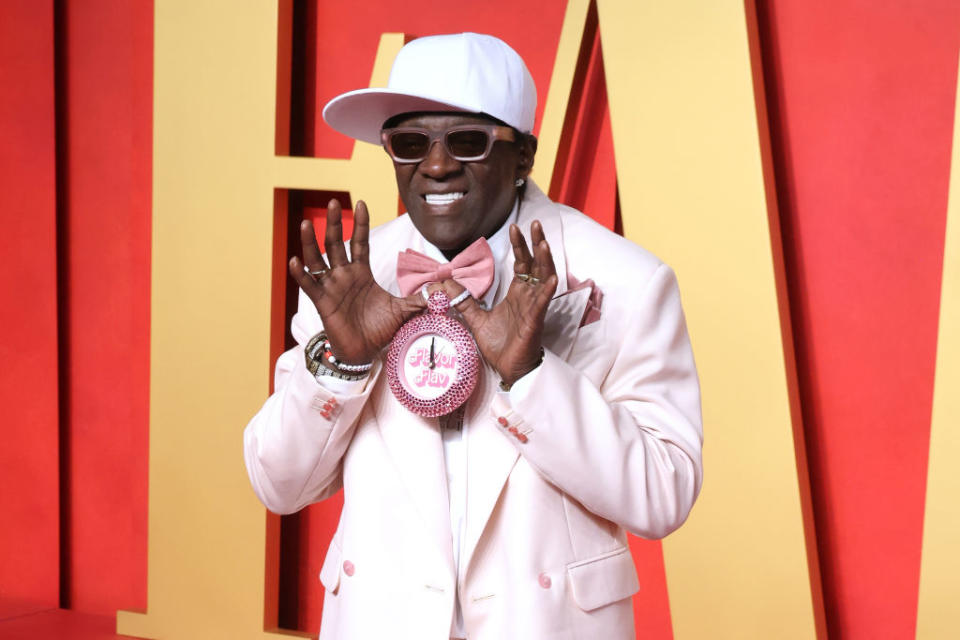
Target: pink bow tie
x=472 y=268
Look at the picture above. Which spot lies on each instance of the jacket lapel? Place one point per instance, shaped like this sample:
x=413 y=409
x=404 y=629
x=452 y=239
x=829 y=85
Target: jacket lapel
x=491 y=456
x=490 y=459
x=562 y=324
x=414 y=445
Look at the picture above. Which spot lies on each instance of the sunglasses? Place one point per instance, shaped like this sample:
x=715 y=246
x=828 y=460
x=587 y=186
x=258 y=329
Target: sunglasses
x=464 y=143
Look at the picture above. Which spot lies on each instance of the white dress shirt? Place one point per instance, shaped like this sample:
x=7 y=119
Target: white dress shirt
x=454 y=444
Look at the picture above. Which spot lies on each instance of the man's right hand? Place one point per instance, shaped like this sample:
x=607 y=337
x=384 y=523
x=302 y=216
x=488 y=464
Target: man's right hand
x=359 y=316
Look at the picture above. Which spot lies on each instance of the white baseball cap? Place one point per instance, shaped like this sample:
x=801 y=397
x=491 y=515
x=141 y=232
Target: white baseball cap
x=468 y=72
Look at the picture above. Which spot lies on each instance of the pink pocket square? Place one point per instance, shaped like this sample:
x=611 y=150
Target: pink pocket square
x=591 y=312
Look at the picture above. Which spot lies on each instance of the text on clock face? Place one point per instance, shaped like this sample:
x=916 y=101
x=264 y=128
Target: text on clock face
x=422 y=357
x=428 y=377
x=430 y=366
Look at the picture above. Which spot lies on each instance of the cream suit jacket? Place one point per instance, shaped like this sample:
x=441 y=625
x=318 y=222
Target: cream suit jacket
x=613 y=442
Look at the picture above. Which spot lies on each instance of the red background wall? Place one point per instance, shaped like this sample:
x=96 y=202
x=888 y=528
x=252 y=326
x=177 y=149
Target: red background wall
x=29 y=533
x=77 y=97
x=860 y=98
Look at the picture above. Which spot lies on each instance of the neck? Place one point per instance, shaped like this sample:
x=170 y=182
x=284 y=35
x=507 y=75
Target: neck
x=450 y=254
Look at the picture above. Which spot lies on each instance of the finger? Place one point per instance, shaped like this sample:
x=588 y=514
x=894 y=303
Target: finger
x=542 y=259
x=333 y=236
x=536 y=233
x=412 y=305
x=415 y=301
x=544 y=296
x=469 y=308
x=303 y=279
x=359 y=247
x=543 y=266
x=522 y=260
x=309 y=247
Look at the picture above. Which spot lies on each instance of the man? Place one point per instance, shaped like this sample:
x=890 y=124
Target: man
x=506 y=518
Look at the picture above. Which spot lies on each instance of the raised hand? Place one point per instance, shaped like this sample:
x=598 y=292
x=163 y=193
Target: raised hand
x=509 y=335
x=359 y=316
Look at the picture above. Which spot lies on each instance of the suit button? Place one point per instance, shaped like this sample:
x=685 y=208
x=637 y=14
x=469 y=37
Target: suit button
x=502 y=421
x=522 y=438
x=348 y=567
x=545 y=581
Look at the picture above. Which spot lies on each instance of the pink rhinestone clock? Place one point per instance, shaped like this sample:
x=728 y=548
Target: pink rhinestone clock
x=432 y=364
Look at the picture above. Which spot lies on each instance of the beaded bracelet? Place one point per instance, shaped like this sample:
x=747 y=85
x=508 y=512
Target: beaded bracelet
x=506 y=387
x=332 y=359
x=319 y=346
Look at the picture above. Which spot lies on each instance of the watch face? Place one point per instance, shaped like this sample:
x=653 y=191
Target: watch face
x=432 y=363
x=430 y=366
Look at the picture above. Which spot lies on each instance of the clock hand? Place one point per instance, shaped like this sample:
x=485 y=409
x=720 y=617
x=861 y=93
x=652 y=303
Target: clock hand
x=432 y=363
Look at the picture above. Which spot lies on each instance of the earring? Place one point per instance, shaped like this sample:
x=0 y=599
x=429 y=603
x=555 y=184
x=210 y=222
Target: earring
x=519 y=182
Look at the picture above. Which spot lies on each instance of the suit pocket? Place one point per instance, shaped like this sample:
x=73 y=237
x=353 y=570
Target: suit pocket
x=603 y=579
x=330 y=571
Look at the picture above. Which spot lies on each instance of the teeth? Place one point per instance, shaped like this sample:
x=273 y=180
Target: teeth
x=443 y=198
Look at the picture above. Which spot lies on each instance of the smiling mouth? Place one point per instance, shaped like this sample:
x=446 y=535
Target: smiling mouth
x=443 y=198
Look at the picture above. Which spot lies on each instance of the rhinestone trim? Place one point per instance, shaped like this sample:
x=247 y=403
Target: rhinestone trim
x=435 y=321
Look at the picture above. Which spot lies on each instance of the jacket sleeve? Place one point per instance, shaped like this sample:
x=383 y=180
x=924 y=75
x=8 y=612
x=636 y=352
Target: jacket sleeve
x=630 y=450
x=294 y=446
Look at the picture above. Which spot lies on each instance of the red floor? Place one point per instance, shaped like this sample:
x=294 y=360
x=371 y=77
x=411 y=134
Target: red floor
x=28 y=621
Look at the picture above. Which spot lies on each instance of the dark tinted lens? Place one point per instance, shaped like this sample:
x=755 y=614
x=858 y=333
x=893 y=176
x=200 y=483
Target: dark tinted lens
x=468 y=143
x=409 y=145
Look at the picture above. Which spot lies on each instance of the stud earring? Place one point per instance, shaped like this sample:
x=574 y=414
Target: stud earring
x=519 y=182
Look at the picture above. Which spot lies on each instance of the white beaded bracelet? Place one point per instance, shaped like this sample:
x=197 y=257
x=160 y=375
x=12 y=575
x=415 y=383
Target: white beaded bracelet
x=320 y=345
x=332 y=359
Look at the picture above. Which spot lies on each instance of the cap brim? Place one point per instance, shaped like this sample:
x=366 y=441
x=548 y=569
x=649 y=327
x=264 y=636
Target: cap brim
x=360 y=114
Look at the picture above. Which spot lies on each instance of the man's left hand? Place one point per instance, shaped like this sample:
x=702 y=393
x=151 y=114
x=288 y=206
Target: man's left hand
x=510 y=335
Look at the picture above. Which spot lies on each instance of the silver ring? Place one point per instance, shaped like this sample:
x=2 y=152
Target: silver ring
x=460 y=298
x=315 y=274
x=534 y=280
x=523 y=276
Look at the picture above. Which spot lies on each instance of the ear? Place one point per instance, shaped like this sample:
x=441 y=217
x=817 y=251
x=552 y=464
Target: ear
x=528 y=149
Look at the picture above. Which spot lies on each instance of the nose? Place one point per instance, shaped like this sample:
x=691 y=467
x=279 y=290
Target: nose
x=439 y=164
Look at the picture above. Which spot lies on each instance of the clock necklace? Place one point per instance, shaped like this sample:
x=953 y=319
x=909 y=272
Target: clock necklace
x=433 y=363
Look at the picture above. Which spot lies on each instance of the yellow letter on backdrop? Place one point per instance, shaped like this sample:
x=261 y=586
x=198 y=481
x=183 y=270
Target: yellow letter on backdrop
x=690 y=177
x=937 y=614
x=214 y=175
